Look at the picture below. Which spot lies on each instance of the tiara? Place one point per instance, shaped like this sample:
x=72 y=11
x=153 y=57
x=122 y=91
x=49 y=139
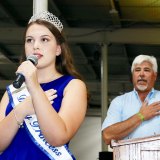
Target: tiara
x=49 y=17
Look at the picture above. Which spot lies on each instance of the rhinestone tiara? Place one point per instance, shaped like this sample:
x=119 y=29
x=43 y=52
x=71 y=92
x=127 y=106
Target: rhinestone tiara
x=49 y=17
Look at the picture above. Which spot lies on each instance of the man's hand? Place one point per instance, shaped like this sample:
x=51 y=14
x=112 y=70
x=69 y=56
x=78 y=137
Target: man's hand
x=150 y=111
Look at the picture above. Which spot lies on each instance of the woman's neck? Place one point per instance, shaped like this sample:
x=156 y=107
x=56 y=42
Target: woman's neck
x=45 y=75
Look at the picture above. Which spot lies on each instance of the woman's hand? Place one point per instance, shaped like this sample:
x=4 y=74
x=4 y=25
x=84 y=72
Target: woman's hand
x=51 y=95
x=26 y=107
x=29 y=71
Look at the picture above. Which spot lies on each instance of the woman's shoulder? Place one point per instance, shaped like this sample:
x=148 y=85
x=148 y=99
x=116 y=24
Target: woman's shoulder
x=76 y=84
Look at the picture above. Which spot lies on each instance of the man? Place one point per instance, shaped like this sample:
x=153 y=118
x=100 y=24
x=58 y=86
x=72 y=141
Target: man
x=136 y=113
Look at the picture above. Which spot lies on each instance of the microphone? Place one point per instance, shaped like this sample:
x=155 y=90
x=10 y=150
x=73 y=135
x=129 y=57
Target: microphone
x=20 y=78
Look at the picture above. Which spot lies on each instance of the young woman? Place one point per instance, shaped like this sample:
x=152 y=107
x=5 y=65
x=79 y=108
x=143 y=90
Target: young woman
x=40 y=126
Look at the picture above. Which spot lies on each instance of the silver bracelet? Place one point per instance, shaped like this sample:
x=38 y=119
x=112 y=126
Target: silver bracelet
x=20 y=124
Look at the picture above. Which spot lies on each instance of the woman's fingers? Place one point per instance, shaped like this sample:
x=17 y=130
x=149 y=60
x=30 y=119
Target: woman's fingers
x=51 y=95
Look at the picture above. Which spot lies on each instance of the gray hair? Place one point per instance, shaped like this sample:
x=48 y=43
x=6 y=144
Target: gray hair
x=141 y=58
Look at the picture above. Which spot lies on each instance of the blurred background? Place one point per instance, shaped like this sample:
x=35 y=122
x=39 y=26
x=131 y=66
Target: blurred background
x=116 y=29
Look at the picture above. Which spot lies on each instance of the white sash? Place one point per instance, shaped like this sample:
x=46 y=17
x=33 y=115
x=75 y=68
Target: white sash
x=31 y=125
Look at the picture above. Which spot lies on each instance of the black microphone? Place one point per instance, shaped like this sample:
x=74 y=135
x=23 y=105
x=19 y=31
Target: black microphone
x=20 y=78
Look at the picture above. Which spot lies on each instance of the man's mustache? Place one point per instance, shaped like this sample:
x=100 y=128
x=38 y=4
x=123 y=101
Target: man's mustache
x=140 y=80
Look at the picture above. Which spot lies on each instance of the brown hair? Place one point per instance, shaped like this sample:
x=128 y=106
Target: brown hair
x=64 y=62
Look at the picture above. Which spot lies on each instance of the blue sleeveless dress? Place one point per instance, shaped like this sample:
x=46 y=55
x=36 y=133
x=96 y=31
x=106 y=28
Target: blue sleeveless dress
x=22 y=147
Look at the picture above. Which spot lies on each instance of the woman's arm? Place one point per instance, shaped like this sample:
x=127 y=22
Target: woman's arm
x=59 y=128
x=8 y=124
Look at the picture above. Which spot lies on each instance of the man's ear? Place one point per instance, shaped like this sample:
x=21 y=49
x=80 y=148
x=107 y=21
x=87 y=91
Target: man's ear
x=156 y=74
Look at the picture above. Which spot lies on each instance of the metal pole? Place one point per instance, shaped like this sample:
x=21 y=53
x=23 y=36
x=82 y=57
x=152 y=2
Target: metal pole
x=39 y=6
x=104 y=86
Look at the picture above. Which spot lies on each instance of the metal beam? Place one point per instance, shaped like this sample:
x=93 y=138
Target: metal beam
x=4 y=83
x=87 y=35
x=4 y=9
x=123 y=36
x=39 y=6
x=104 y=86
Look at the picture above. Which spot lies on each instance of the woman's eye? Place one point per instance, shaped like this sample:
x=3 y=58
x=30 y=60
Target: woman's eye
x=29 y=40
x=44 y=39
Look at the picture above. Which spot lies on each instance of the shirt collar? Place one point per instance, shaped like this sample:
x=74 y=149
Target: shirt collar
x=149 y=96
